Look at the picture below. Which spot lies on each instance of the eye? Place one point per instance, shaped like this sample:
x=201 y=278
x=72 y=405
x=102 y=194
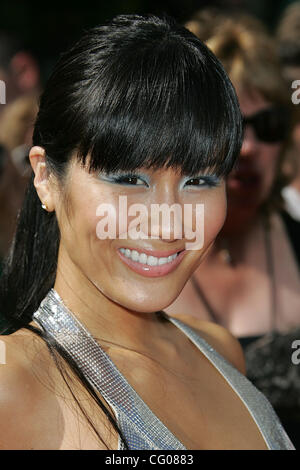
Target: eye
x=125 y=179
x=196 y=182
x=132 y=180
x=203 y=181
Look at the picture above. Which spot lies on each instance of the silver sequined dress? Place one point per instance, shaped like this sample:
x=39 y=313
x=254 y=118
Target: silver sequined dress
x=141 y=428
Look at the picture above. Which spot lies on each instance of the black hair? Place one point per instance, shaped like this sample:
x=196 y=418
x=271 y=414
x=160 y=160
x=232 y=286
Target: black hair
x=137 y=92
x=140 y=91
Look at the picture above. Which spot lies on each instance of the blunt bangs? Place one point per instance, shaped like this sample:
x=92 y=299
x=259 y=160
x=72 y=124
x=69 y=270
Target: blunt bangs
x=140 y=92
x=169 y=103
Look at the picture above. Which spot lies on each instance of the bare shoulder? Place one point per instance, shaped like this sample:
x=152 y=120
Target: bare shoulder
x=37 y=409
x=19 y=349
x=19 y=389
x=219 y=338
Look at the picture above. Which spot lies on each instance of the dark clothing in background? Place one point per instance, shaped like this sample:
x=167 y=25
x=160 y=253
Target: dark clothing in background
x=269 y=360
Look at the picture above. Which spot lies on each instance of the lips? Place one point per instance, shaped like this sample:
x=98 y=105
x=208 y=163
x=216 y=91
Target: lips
x=153 y=271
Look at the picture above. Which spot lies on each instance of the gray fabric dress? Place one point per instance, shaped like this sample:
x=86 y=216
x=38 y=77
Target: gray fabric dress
x=141 y=428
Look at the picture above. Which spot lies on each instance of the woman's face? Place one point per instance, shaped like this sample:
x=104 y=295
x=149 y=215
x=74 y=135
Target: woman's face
x=147 y=284
x=250 y=184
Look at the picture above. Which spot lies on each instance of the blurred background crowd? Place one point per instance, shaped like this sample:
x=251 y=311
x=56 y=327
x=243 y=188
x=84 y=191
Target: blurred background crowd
x=249 y=282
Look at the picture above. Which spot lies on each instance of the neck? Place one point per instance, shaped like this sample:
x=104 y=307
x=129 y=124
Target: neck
x=109 y=322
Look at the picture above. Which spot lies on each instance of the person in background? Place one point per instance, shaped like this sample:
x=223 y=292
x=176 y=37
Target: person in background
x=19 y=70
x=12 y=188
x=16 y=130
x=288 y=39
x=14 y=178
x=20 y=73
x=249 y=282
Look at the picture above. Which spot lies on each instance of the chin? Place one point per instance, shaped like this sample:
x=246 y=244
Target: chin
x=148 y=305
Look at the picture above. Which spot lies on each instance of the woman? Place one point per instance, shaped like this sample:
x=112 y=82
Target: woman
x=249 y=283
x=141 y=109
x=288 y=44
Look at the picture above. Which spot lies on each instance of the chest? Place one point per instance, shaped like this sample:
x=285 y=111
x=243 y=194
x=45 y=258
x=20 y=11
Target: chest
x=199 y=407
x=190 y=397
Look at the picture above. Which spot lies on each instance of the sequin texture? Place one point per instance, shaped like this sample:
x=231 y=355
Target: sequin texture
x=141 y=428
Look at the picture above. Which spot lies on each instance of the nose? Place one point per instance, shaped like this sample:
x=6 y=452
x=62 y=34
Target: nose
x=250 y=143
x=166 y=213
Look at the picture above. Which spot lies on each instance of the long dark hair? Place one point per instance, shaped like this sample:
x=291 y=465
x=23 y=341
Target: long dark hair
x=138 y=91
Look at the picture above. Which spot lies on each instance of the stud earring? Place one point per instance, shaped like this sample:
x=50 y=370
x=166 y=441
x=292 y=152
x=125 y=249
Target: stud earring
x=44 y=206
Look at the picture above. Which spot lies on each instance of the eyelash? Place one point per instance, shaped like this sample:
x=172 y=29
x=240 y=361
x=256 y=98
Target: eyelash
x=122 y=179
x=209 y=180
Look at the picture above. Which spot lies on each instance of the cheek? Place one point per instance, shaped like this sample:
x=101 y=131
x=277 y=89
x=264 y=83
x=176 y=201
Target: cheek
x=215 y=214
x=208 y=224
x=215 y=211
x=268 y=166
x=78 y=227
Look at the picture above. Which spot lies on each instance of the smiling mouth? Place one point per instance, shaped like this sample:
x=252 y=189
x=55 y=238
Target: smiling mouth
x=150 y=260
x=149 y=265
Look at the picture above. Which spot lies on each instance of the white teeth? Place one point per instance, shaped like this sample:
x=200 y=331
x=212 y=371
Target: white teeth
x=144 y=259
x=152 y=260
x=135 y=255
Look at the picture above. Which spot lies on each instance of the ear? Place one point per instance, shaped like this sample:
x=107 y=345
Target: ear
x=42 y=183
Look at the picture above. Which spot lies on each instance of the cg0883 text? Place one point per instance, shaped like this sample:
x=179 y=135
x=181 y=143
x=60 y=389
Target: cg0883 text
x=170 y=459
x=142 y=458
